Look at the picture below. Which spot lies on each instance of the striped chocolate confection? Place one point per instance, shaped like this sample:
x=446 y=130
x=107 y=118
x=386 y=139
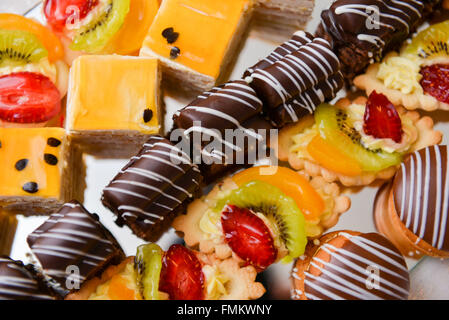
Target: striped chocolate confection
x=73 y=238
x=233 y=106
x=295 y=73
x=362 y=31
x=346 y=276
x=18 y=282
x=153 y=188
x=421 y=195
x=299 y=39
x=307 y=101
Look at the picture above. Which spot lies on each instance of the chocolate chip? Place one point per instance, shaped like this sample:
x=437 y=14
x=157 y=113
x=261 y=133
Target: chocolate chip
x=50 y=159
x=174 y=52
x=30 y=187
x=170 y=35
x=147 y=115
x=0 y=144
x=53 y=142
x=21 y=164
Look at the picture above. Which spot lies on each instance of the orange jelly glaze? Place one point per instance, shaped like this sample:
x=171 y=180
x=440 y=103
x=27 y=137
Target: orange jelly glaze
x=291 y=183
x=118 y=290
x=331 y=158
x=50 y=41
x=128 y=40
x=205 y=27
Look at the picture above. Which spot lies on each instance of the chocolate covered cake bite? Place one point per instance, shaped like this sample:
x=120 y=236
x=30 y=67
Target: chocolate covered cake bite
x=349 y=265
x=20 y=282
x=295 y=78
x=73 y=246
x=363 y=31
x=153 y=188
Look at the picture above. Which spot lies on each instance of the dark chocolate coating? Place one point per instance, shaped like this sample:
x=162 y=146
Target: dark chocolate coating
x=19 y=282
x=421 y=195
x=306 y=102
x=299 y=39
x=152 y=188
x=73 y=238
x=366 y=267
x=295 y=73
x=361 y=35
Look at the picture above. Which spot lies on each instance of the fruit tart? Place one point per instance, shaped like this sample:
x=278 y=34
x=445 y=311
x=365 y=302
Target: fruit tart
x=100 y=26
x=178 y=274
x=33 y=76
x=261 y=215
x=355 y=142
x=418 y=76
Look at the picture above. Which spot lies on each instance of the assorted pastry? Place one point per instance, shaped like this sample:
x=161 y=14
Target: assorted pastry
x=417 y=75
x=241 y=202
x=355 y=142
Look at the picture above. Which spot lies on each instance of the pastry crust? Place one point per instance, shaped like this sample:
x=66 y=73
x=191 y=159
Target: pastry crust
x=427 y=136
x=189 y=223
x=412 y=101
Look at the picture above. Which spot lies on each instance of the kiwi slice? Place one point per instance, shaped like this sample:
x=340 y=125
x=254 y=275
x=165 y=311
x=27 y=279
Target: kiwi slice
x=281 y=210
x=430 y=43
x=98 y=32
x=334 y=127
x=19 y=47
x=148 y=265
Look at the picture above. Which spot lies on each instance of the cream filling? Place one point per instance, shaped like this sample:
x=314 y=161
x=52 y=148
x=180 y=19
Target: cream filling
x=402 y=72
x=215 y=282
x=43 y=67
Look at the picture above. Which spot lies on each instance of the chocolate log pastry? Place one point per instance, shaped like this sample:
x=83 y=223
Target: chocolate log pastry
x=299 y=75
x=20 y=282
x=73 y=246
x=152 y=188
x=363 y=31
x=226 y=121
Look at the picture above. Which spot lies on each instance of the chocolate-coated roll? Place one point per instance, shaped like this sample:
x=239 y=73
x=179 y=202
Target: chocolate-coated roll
x=363 y=31
x=299 y=39
x=72 y=246
x=306 y=102
x=295 y=73
x=20 y=282
x=153 y=188
x=224 y=107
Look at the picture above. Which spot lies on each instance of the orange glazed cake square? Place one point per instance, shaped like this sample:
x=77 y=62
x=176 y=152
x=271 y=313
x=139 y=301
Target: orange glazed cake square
x=196 y=40
x=113 y=103
x=41 y=170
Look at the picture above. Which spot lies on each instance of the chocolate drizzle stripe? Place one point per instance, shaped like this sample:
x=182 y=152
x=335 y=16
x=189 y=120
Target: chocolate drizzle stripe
x=344 y=275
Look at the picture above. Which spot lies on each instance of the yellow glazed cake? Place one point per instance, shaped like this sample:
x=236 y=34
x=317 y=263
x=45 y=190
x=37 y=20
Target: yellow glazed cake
x=113 y=103
x=196 y=39
x=41 y=170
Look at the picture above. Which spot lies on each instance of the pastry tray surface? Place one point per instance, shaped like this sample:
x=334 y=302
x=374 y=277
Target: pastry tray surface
x=276 y=278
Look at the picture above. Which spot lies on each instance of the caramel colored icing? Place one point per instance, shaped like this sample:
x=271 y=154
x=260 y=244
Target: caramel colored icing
x=32 y=161
x=114 y=93
x=201 y=32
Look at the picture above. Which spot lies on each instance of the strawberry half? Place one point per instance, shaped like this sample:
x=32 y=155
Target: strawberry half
x=248 y=236
x=27 y=97
x=181 y=275
x=435 y=81
x=381 y=119
x=60 y=12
